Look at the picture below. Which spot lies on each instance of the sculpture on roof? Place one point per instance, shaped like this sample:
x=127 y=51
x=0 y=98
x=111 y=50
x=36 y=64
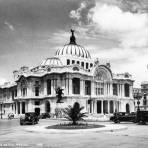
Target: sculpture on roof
x=72 y=38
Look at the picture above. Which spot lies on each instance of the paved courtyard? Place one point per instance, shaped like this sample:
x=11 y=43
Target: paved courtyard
x=14 y=135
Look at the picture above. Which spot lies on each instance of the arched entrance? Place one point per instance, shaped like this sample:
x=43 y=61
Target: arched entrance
x=77 y=105
x=48 y=107
x=37 y=111
x=127 y=108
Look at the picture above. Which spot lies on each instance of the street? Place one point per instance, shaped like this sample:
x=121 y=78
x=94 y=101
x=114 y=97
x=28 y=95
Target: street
x=14 y=135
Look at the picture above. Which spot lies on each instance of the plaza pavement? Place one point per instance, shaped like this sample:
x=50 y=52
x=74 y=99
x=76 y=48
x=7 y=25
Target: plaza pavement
x=14 y=135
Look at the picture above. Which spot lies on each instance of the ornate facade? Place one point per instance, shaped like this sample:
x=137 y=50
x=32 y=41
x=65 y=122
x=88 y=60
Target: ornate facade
x=143 y=96
x=83 y=80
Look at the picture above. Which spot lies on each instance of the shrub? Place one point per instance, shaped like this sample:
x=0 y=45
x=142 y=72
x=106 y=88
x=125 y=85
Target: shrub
x=74 y=114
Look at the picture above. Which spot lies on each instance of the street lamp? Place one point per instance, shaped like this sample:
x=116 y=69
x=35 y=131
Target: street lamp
x=138 y=96
x=1 y=110
x=144 y=100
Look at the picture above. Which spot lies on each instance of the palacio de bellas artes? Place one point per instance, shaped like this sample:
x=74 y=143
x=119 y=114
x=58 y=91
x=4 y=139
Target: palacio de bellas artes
x=74 y=73
x=82 y=79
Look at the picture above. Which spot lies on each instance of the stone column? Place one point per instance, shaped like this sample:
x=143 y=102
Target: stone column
x=45 y=87
x=16 y=112
x=20 y=107
x=101 y=106
x=66 y=86
x=42 y=106
x=31 y=106
x=123 y=94
x=131 y=92
x=92 y=88
x=108 y=105
x=95 y=106
x=82 y=87
x=70 y=86
x=111 y=89
x=52 y=87
x=114 y=104
x=105 y=89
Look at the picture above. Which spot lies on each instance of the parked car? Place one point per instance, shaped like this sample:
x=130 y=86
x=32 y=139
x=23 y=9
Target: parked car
x=142 y=117
x=44 y=116
x=122 y=116
x=29 y=118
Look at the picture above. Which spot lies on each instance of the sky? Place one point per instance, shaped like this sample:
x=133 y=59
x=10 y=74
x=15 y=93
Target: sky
x=114 y=31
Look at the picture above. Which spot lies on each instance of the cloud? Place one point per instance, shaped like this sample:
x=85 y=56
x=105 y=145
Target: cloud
x=10 y=26
x=83 y=15
x=112 y=18
x=2 y=81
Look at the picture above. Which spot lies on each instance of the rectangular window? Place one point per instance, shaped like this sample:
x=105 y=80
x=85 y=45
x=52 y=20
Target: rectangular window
x=23 y=92
x=76 y=85
x=73 y=61
x=36 y=91
x=37 y=102
x=82 y=64
x=23 y=107
x=86 y=65
x=16 y=93
x=126 y=89
x=87 y=87
x=99 y=88
x=48 y=87
x=115 y=91
x=12 y=94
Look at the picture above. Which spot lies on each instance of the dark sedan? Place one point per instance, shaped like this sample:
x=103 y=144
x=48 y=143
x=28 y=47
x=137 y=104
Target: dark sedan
x=122 y=116
x=29 y=118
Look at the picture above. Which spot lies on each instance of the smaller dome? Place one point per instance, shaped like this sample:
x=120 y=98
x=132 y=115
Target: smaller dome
x=54 y=61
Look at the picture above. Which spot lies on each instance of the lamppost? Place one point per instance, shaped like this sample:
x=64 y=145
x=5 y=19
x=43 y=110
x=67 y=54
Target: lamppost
x=138 y=96
x=144 y=100
x=1 y=110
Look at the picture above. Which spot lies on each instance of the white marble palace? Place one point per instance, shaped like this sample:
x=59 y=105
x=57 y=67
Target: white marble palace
x=83 y=80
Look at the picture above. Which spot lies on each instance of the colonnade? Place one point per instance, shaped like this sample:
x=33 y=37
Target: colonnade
x=103 y=106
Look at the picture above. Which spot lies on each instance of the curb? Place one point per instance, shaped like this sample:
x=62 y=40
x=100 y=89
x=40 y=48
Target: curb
x=107 y=128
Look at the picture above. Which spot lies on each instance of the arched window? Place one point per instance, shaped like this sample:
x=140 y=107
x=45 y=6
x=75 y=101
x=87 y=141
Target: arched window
x=77 y=105
x=68 y=62
x=127 y=108
x=86 y=65
x=73 y=61
x=91 y=64
x=126 y=90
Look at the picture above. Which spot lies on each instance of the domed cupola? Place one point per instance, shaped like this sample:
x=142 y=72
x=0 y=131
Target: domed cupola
x=54 y=61
x=73 y=49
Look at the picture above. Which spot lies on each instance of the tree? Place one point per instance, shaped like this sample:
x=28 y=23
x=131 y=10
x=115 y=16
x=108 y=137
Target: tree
x=59 y=93
x=74 y=113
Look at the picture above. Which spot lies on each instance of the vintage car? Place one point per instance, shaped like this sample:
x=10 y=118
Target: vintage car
x=29 y=118
x=122 y=116
x=142 y=117
x=44 y=116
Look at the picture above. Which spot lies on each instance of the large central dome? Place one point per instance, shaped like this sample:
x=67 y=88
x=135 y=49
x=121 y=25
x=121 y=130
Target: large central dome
x=73 y=49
